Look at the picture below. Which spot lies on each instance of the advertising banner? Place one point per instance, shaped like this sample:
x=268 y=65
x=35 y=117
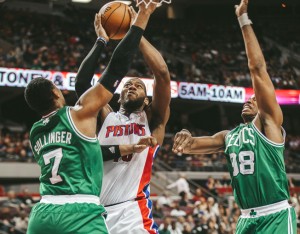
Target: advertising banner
x=16 y=77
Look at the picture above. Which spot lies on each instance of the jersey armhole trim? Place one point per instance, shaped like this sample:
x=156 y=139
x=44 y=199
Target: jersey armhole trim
x=269 y=141
x=78 y=133
x=226 y=136
x=156 y=151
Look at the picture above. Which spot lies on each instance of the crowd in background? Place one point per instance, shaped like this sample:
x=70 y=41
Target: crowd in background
x=15 y=147
x=207 y=53
x=201 y=212
x=14 y=211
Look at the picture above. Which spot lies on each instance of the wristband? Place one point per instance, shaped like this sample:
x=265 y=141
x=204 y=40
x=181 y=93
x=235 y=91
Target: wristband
x=110 y=152
x=102 y=39
x=244 y=20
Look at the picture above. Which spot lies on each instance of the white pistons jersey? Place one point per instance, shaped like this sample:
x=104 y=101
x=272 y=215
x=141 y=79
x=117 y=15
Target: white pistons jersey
x=127 y=178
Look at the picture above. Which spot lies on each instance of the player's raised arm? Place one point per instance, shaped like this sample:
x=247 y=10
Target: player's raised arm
x=185 y=143
x=268 y=108
x=160 y=110
x=90 y=63
x=162 y=88
x=93 y=100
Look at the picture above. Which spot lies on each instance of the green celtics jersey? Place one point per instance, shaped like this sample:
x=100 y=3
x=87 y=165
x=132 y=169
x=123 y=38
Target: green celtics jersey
x=70 y=162
x=256 y=166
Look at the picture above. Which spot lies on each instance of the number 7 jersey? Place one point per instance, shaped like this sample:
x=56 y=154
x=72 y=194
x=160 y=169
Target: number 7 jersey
x=70 y=162
x=256 y=166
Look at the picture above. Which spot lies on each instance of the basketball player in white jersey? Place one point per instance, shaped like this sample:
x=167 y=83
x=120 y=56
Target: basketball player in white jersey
x=125 y=188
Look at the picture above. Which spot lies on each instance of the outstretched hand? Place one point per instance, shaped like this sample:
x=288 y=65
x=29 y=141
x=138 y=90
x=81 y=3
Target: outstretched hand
x=98 y=27
x=242 y=8
x=144 y=142
x=182 y=142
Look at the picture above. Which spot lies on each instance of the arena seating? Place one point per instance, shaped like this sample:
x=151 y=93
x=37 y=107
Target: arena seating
x=207 y=53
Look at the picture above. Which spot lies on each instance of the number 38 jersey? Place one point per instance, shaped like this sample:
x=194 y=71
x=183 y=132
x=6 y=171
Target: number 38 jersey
x=126 y=178
x=70 y=162
x=256 y=167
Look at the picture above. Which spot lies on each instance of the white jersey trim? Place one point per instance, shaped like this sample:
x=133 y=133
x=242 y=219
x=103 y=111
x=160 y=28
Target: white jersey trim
x=269 y=141
x=265 y=210
x=50 y=114
x=78 y=133
x=65 y=199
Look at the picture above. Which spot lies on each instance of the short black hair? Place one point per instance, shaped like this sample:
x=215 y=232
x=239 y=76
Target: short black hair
x=39 y=96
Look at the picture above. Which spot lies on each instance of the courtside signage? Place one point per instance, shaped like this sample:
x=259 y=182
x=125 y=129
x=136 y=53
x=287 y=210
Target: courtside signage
x=16 y=77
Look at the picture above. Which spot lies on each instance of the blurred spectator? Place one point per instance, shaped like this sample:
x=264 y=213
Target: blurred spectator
x=12 y=200
x=164 y=200
x=26 y=197
x=176 y=211
x=184 y=200
x=174 y=229
x=165 y=226
x=181 y=184
x=211 y=186
x=198 y=196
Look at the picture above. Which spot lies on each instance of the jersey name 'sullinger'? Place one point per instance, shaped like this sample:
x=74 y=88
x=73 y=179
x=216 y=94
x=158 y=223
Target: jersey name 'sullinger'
x=53 y=137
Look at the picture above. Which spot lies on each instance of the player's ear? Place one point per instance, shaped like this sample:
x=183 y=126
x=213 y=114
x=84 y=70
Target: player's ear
x=56 y=93
x=146 y=101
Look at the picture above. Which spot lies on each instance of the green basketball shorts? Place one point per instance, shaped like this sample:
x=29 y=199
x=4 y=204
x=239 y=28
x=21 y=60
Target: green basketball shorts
x=75 y=218
x=277 y=218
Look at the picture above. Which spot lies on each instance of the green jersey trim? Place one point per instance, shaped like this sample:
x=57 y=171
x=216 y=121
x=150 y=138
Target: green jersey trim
x=267 y=140
x=78 y=133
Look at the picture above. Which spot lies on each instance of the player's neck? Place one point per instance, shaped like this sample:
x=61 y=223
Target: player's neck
x=55 y=108
x=127 y=111
x=248 y=121
x=248 y=118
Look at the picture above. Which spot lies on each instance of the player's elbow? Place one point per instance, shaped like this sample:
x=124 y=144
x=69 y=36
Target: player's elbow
x=257 y=66
x=163 y=73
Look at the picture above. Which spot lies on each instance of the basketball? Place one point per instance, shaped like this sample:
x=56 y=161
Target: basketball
x=115 y=19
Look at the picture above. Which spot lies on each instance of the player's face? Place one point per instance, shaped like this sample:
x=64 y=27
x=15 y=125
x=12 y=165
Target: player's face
x=133 y=94
x=250 y=110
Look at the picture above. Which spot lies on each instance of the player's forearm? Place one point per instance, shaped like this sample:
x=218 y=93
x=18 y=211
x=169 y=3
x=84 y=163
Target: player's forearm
x=154 y=60
x=126 y=149
x=256 y=60
x=121 y=59
x=112 y=152
x=207 y=145
x=142 y=19
x=87 y=68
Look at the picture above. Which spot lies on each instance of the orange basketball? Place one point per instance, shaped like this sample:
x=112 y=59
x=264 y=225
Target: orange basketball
x=115 y=19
